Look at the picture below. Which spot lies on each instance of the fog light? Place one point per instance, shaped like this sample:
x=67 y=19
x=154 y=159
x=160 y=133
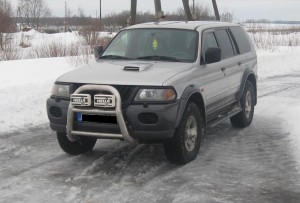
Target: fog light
x=148 y=118
x=55 y=111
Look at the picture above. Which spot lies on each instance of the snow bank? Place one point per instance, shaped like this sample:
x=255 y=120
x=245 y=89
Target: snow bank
x=281 y=61
x=31 y=42
x=25 y=86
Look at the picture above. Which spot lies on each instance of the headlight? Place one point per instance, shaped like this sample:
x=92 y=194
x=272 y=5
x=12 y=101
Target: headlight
x=155 y=95
x=61 y=90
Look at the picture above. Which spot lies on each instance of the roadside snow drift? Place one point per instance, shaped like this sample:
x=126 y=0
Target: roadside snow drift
x=25 y=85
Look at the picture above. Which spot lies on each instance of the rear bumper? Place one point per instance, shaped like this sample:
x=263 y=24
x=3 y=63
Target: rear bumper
x=162 y=129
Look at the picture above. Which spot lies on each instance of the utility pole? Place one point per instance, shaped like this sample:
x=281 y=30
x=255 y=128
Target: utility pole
x=65 y=16
x=131 y=20
x=158 y=12
x=20 y=18
x=217 y=15
x=193 y=6
x=187 y=10
x=100 y=14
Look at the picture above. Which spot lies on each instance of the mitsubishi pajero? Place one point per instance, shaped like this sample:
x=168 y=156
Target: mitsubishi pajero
x=164 y=82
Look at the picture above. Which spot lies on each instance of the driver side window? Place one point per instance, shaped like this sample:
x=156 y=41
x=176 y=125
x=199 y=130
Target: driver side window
x=208 y=41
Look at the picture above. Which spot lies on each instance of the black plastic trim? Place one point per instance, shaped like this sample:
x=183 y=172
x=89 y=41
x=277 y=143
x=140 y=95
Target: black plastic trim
x=58 y=127
x=186 y=95
x=153 y=135
x=58 y=123
x=166 y=113
x=246 y=75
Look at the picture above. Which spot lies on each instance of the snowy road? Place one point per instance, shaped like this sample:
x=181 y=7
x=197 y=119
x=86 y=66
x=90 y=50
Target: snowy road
x=258 y=164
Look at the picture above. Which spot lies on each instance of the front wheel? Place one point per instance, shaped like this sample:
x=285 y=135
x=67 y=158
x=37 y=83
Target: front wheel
x=184 y=146
x=244 y=118
x=84 y=144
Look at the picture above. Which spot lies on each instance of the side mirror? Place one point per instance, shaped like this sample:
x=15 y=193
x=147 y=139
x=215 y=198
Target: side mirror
x=98 y=51
x=213 y=55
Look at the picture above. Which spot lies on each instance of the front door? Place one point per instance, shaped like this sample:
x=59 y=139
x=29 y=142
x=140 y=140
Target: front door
x=215 y=81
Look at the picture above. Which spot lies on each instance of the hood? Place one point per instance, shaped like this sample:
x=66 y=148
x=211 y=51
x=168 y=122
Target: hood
x=125 y=73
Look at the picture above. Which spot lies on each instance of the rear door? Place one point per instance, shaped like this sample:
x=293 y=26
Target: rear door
x=229 y=60
x=244 y=59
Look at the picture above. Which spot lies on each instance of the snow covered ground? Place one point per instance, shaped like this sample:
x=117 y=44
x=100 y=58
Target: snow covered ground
x=257 y=164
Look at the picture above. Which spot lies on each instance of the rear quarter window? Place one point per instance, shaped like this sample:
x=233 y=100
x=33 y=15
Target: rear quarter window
x=241 y=39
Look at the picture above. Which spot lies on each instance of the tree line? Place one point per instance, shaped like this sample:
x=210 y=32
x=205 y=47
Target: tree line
x=36 y=14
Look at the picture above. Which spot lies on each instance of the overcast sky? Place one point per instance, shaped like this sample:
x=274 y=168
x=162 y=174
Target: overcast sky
x=242 y=9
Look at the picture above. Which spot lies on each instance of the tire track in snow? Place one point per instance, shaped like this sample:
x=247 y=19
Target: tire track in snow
x=279 y=91
x=114 y=162
x=292 y=80
x=126 y=164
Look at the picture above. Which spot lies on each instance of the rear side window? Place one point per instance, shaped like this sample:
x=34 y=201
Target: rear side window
x=225 y=43
x=241 y=39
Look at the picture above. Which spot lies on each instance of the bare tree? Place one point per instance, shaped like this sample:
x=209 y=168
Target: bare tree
x=227 y=17
x=39 y=10
x=81 y=16
x=90 y=33
x=33 y=11
x=6 y=22
x=24 y=10
x=201 y=12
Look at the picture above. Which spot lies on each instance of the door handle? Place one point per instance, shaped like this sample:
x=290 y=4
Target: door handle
x=240 y=63
x=223 y=69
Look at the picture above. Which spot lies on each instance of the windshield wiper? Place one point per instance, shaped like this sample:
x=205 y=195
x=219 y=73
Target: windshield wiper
x=160 y=58
x=114 y=57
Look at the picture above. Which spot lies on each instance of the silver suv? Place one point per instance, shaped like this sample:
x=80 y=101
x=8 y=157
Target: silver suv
x=162 y=82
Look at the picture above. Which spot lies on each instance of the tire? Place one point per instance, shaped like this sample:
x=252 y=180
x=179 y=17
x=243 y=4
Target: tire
x=184 y=146
x=84 y=144
x=244 y=118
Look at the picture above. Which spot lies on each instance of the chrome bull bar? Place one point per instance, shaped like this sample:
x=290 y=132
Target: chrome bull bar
x=73 y=135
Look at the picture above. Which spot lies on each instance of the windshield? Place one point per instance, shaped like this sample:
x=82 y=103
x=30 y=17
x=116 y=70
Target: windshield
x=154 y=44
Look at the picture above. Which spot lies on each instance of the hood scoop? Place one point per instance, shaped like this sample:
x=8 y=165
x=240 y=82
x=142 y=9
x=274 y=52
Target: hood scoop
x=137 y=67
x=131 y=68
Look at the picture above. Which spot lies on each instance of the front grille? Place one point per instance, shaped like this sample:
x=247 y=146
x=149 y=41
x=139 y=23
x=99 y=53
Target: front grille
x=55 y=111
x=125 y=91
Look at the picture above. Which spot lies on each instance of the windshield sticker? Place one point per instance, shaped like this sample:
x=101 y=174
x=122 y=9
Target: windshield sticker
x=154 y=44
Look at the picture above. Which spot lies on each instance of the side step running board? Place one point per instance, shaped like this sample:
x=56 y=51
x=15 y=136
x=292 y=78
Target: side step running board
x=224 y=117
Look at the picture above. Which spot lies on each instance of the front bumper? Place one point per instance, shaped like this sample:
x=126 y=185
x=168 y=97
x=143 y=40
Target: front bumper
x=58 y=121
x=163 y=128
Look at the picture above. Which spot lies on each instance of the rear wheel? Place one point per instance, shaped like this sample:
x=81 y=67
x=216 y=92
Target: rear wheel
x=244 y=118
x=84 y=144
x=184 y=146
